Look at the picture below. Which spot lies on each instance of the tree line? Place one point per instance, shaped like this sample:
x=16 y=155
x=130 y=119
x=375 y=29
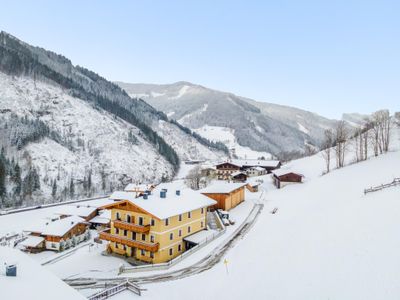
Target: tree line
x=374 y=133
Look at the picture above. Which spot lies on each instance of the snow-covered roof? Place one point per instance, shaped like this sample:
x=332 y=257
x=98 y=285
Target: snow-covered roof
x=172 y=205
x=222 y=187
x=57 y=227
x=200 y=236
x=255 y=162
x=237 y=173
x=103 y=218
x=32 y=241
x=257 y=168
x=132 y=187
x=79 y=210
x=281 y=172
x=208 y=166
x=62 y=226
x=31 y=279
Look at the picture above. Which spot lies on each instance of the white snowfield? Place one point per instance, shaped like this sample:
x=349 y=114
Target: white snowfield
x=327 y=240
x=32 y=281
x=227 y=136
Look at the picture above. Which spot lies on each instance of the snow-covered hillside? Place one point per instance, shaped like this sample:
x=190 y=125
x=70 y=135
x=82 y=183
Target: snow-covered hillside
x=100 y=141
x=261 y=126
x=83 y=134
x=327 y=240
x=187 y=147
x=227 y=136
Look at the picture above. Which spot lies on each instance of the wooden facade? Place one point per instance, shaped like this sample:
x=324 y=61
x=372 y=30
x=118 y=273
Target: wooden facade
x=287 y=178
x=227 y=201
x=225 y=170
x=240 y=177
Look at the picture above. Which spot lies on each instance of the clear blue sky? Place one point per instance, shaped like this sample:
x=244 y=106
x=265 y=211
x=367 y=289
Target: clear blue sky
x=324 y=56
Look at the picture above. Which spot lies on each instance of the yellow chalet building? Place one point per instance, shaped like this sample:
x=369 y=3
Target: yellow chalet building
x=152 y=227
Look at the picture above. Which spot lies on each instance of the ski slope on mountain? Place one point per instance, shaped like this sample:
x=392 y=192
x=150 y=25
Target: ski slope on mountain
x=327 y=240
x=227 y=136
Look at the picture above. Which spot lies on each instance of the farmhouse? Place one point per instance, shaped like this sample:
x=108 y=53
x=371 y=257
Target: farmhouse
x=56 y=234
x=208 y=171
x=225 y=170
x=268 y=165
x=152 y=228
x=227 y=195
x=284 y=177
x=255 y=167
x=256 y=171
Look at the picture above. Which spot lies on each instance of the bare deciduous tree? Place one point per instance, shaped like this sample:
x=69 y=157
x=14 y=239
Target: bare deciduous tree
x=341 y=136
x=195 y=179
x=327 y=148
x=380 y=124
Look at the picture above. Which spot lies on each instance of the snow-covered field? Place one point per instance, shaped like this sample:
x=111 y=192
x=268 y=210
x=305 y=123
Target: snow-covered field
x=226 y=136
x=327 y=241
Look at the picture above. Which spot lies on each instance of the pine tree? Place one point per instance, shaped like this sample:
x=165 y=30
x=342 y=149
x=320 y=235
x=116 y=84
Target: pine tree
x=3 y=174
x=35 y=180
x=54 y=189
x=89 y=182
x=71 y=188
x=16 y=178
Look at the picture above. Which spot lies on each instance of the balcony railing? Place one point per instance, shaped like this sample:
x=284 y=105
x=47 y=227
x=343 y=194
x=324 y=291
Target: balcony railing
x=132 y=227
x=106 y=235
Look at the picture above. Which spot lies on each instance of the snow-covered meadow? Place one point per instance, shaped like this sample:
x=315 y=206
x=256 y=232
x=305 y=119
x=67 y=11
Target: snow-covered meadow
x=327 y=240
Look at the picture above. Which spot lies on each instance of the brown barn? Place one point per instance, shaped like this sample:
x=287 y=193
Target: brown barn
x=285 y=177
x=227 y=195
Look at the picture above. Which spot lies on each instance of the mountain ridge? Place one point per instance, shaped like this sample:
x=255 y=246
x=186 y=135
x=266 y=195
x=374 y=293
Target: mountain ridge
x=272 y=127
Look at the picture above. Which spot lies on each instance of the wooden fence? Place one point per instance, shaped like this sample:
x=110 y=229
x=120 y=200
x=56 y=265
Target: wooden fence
x=395 y=182
x=107 y=293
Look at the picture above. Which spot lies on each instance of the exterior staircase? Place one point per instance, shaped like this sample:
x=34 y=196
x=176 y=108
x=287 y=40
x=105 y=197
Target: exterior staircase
x=211 y=221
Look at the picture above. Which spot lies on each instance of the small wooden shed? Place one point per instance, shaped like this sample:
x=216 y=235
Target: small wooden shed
x=284 y=177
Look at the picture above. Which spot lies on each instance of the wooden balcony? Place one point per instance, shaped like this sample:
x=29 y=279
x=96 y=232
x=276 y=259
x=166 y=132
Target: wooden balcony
x=132 y=227
x=107 y=236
